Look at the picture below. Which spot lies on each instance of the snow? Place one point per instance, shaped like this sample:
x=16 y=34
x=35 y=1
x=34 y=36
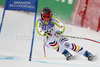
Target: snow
x=15 y=41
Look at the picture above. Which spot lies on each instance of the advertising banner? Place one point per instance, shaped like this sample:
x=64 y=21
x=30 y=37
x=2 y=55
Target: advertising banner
x=24 y=5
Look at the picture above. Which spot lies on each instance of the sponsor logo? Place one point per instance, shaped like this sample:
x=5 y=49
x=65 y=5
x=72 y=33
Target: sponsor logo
x=67 y=44
x=69 y=1
x=19 y=2
x=22 y=4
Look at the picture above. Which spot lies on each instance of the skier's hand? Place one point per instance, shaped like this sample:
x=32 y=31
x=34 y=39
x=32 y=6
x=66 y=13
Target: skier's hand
x=47 y=34
x=58 y=34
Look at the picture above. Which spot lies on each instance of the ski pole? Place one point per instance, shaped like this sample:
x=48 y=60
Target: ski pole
x=44 y=51
x=82 y=38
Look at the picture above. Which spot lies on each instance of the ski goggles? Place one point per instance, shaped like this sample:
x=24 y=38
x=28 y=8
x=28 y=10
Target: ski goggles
x=47 y=16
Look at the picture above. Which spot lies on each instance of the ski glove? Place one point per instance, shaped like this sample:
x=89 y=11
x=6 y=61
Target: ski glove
x=47 y=34
x=58 y=34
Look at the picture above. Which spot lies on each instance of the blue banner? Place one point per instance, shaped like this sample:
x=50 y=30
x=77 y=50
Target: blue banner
x=24 y=5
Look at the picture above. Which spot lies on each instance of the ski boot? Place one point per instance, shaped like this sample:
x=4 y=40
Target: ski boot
x=68 y=57
x=90 y=58
x=67 y=54
x=88 y=55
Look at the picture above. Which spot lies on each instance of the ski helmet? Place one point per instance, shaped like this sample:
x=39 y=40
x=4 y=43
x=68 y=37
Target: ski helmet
x=46 y=13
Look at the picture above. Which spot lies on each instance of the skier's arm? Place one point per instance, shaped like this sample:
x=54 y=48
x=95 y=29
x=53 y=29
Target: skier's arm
x=39 y=29
x=59 y=24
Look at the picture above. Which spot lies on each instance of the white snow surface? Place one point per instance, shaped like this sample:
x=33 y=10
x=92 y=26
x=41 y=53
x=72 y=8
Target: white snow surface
x=15 y=41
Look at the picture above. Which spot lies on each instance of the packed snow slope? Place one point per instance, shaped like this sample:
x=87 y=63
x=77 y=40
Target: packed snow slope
x=15 y=44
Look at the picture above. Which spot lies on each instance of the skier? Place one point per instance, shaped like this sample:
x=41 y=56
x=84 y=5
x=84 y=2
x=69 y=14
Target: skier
x=53 y=37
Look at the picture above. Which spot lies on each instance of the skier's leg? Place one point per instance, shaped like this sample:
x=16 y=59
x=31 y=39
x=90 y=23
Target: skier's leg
x=67 y=44
x=65 y=52
x=52 y=44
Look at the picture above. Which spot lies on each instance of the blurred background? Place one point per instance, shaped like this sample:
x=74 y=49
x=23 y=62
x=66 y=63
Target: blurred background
x=83 y=13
